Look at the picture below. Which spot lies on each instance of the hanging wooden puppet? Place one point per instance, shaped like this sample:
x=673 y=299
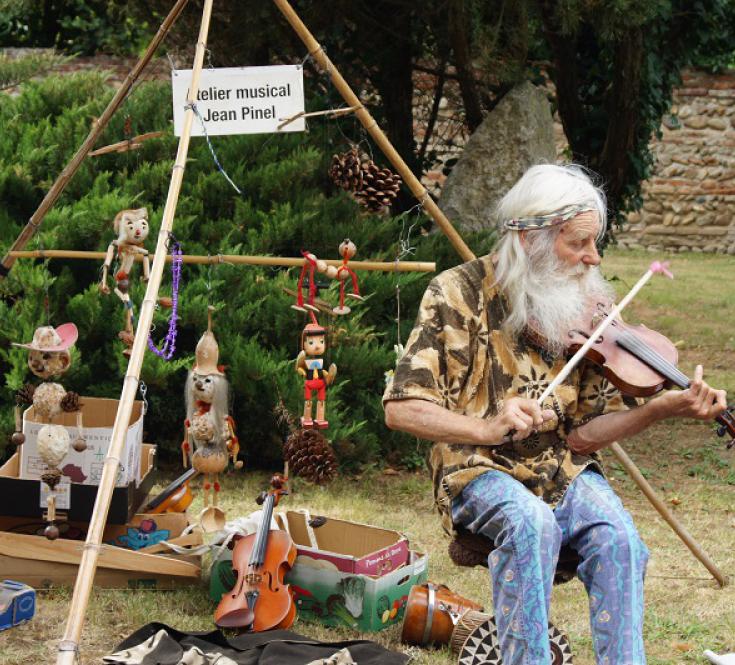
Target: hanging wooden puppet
x=310 y=365
x=209 y=430
x=313 y=264
x=49 y=357
x=132 y=230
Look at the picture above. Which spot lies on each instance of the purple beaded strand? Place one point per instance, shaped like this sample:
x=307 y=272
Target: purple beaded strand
x=169 y=344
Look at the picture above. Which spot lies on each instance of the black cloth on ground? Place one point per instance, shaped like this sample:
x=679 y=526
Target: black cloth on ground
x=273 y=647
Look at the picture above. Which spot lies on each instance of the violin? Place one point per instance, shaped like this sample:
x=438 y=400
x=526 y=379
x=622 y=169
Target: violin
x=176 y=498
x=260 y=600
x=638 y=361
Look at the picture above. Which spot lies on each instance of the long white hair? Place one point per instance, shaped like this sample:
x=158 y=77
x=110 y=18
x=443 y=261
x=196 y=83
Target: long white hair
x=532 y=277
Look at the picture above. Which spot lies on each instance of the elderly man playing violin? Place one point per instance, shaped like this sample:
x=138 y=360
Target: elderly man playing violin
x=490 y=336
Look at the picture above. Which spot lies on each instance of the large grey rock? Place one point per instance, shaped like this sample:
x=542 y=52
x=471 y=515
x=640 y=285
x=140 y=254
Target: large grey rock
x=516 y=134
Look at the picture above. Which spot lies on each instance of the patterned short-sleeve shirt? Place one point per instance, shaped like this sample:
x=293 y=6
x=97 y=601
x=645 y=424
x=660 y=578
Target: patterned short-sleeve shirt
x=459 y=357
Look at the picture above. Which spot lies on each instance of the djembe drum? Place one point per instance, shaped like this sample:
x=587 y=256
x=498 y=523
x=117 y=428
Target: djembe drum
x=475 y=641
x=432 y=612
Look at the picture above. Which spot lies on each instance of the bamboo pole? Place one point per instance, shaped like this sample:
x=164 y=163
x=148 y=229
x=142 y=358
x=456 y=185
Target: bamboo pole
x=317 y=52
x=97 y=128
x=237 y=259
x=363 y=115
x=663 y=510
x=69 y=646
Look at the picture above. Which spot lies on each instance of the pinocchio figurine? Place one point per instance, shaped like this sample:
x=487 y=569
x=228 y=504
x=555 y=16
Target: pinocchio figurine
x=132 y=230
x=310 y=365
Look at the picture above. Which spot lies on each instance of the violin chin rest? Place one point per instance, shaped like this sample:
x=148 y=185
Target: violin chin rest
x=237 y=617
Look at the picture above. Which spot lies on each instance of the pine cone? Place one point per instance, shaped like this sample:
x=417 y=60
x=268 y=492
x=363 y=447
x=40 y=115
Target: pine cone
x=70 y=402
x=25 y=395
x=379 y=187
x=346 y=170
x=310 y=456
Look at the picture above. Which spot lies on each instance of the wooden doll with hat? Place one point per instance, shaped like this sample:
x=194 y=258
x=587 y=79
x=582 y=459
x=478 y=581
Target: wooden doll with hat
x=132 y=230
x=209 y=438
x=49 y=357
x=310 y=365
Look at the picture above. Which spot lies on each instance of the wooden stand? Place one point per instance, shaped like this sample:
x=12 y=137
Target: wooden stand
x=69 y=645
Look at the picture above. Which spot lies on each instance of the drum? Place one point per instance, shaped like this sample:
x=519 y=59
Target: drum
x=475 y=640
x=431 y=614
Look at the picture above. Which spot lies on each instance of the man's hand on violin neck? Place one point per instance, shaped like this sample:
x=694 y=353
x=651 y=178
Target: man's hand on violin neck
x=699 y=401
x=522 y=417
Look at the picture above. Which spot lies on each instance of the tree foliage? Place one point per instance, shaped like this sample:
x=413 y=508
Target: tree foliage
x=288 y=205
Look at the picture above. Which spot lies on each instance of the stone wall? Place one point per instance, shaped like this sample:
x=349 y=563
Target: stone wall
x=689 y=203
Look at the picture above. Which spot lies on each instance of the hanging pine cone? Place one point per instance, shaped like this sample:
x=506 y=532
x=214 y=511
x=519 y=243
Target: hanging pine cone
x=310 y=456
x=25 y=395
x=346 y=170
x=70 y=402
x=379 y=187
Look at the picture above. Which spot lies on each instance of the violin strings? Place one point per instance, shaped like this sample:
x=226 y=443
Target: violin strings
x=655 y=360
x=638 y=348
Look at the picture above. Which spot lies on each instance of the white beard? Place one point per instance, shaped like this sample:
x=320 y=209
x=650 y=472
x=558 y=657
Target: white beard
x=556 y=297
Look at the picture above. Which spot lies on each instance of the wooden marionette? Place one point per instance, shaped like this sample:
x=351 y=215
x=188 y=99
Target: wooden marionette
x=310 y=365
x=313 y=264
x=209 y=430
x=49 y=357
x=132 y=230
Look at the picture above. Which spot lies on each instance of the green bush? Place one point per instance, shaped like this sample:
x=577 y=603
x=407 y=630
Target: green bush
x=288 y=204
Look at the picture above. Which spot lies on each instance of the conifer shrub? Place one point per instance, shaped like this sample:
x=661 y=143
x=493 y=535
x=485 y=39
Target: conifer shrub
x=288 y=204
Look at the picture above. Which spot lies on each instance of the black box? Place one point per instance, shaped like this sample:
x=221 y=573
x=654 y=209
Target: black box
x=20 y=497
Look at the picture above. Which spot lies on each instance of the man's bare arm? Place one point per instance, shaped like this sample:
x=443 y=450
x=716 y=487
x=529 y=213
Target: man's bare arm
x=427 y=420
x=699 y=401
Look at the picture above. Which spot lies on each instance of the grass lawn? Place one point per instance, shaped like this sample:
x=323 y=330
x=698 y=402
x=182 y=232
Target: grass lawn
x=688 y=466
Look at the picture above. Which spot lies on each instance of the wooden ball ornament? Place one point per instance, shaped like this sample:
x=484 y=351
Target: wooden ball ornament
x=51 y=532
x=80 y=445
x=18 y=438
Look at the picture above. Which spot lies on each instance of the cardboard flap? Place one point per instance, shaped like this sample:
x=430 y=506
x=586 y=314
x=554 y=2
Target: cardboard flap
x=340 y=536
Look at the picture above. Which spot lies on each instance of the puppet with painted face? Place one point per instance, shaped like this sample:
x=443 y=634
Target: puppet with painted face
x=310 y=365
x=49 y=357
x=132 y=230
x=209 y=438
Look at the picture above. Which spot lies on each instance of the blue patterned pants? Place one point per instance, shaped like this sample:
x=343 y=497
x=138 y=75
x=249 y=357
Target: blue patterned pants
x=528 y=535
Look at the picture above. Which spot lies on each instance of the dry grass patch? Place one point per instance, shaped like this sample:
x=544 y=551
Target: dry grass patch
x=685 y=610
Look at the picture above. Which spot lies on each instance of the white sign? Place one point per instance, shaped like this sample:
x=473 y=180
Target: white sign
x=241 y=100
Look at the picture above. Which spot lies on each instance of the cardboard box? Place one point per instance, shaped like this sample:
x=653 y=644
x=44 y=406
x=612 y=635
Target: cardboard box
x=340 y=599
x=354 y=548
x=20 y=497
x=325 y=593
x=41 y=563
x=362 y=602
x=85 y=468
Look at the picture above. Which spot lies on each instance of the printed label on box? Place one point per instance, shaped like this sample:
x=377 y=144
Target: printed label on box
x=62 y=492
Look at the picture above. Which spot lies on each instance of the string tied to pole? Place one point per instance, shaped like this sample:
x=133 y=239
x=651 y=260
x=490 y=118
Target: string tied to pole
x=220 y=168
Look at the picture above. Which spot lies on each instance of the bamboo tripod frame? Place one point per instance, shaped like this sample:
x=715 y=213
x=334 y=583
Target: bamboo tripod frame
x=317 y=52
x=236 y=259
x=69 y=645
x=97 y=128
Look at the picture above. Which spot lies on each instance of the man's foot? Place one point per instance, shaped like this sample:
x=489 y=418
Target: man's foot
x=306 y=423
x=321 y=424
